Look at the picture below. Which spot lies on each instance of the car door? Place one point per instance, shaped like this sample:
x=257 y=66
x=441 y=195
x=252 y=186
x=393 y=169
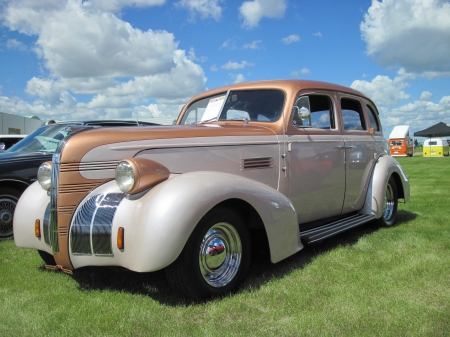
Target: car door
x=315 y=157
x=360 y=152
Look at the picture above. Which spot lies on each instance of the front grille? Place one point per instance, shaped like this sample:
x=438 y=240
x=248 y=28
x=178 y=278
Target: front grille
x=54 y=240
x=90 y=231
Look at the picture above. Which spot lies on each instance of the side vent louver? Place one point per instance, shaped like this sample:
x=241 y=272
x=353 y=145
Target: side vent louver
x=256 y=163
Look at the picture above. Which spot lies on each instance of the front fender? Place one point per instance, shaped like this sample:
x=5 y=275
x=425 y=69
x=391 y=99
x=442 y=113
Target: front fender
x=385 y=167
x=158 y=223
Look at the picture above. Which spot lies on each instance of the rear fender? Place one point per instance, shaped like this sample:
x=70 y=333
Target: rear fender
x=385 y=167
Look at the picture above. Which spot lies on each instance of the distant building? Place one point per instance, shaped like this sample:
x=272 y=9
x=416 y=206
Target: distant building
x=18 y=125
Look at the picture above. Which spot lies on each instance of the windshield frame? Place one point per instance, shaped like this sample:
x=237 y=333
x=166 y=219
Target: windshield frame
x=221 y=116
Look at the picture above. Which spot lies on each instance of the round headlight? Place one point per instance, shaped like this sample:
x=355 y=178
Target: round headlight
x=44 y=175
x=125 y=176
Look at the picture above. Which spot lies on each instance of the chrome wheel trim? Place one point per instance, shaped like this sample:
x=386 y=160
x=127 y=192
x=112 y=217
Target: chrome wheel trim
x=389 y=203
x=219 y=269
x=7 y=207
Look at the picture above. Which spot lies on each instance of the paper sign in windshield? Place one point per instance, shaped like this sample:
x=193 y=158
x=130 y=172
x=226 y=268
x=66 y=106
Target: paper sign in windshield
x=213 y=109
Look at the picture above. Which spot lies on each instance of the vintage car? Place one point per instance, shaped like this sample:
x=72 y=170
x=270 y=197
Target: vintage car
x=6 y=141
x=19 y=164
x=300 y=160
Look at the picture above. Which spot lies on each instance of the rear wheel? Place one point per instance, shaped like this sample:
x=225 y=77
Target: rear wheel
x=199 y=273
x=390 y=204
x=8 y=202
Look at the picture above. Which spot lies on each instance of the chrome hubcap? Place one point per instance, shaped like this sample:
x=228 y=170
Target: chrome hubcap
x=7 y=207
x=389 y=202
x=220 y=254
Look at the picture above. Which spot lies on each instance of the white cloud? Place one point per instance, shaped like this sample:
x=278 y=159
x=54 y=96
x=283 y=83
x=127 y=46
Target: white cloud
x=303 y=71
x=413 y=34
x=236 y=65
x=214 y=68
x=426 y=96
x=290 y=39
x=90 y=52
x=253 y=45
x=14 y=44
x=229 y=44
x=317 y=34
x=239 y=78
x=384 y=91
x=117 y=5
x=253 y=11
x=204 y=8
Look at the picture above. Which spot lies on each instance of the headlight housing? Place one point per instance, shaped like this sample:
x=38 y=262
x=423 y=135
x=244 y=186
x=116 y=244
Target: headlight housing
x=44 y=175
x=138 y=174
x=125 y=176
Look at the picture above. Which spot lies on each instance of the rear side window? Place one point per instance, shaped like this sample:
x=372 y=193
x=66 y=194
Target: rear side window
x=352 y=114
x=373 y=119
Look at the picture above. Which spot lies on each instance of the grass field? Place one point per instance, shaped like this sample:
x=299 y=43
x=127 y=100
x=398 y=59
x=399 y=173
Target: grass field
x=369 y=281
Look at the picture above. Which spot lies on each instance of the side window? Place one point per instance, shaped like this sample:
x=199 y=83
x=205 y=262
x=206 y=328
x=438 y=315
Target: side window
x=321 y=109
x=373 y=118
x=352 y=115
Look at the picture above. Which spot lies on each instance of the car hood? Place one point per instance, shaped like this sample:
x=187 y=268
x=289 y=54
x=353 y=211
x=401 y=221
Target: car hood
x=80 y=144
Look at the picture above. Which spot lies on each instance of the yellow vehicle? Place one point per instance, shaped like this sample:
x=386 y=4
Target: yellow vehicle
x=435 y=147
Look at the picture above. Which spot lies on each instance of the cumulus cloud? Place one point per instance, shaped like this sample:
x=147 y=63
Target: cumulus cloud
x=290 y=39
x=86 y=49
x=117 y=5
x=239 y=78
x=383 y=90
x=426 y=96
x=204 y=8
x=413 y=34
x=235 y=65
x=253 y=11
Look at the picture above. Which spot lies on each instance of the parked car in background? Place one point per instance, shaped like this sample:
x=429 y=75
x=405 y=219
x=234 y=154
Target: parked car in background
x=301 y=161
x=436 y=147
x=19 y=164
x=6 y=141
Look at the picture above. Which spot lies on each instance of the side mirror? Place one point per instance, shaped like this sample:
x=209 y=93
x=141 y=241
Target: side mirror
x=302 y=112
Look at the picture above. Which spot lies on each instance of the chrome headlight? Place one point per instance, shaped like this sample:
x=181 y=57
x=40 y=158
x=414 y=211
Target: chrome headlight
x=44 y=175
x=135 y=175
x=125 y=176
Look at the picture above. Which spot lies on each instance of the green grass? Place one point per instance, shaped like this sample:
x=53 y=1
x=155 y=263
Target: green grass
x=369 y=281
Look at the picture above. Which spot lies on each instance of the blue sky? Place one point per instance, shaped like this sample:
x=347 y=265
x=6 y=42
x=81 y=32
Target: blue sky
x=92 y=59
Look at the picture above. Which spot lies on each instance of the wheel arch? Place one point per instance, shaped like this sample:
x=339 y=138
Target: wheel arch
x=385 y=168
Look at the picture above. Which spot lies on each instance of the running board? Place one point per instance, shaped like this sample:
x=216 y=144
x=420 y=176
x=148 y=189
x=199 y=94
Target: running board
x=333 y=228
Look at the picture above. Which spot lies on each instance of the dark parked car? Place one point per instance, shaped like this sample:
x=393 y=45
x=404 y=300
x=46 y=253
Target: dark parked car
x=19 y=164
x=6 y=141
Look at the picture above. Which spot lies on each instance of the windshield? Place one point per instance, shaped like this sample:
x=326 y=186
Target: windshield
x=44 y=139
x=253 y=105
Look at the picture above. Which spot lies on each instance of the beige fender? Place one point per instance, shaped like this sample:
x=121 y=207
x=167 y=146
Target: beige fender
x=158 y=223
x=31 y=207
x=385 y=167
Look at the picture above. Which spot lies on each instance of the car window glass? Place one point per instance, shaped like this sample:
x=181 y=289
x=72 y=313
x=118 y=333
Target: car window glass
x=373 y=119
x=44 y=139
x=195 y=111
x=352 y=114
x=254 y=105
x=321 y=109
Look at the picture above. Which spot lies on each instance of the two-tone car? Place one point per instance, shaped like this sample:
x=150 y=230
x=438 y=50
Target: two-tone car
x=300 y=160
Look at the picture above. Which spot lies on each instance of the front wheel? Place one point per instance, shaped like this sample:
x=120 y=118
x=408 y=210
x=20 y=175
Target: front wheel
x=198 y=273
x=8 y=202
x=390 y=205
